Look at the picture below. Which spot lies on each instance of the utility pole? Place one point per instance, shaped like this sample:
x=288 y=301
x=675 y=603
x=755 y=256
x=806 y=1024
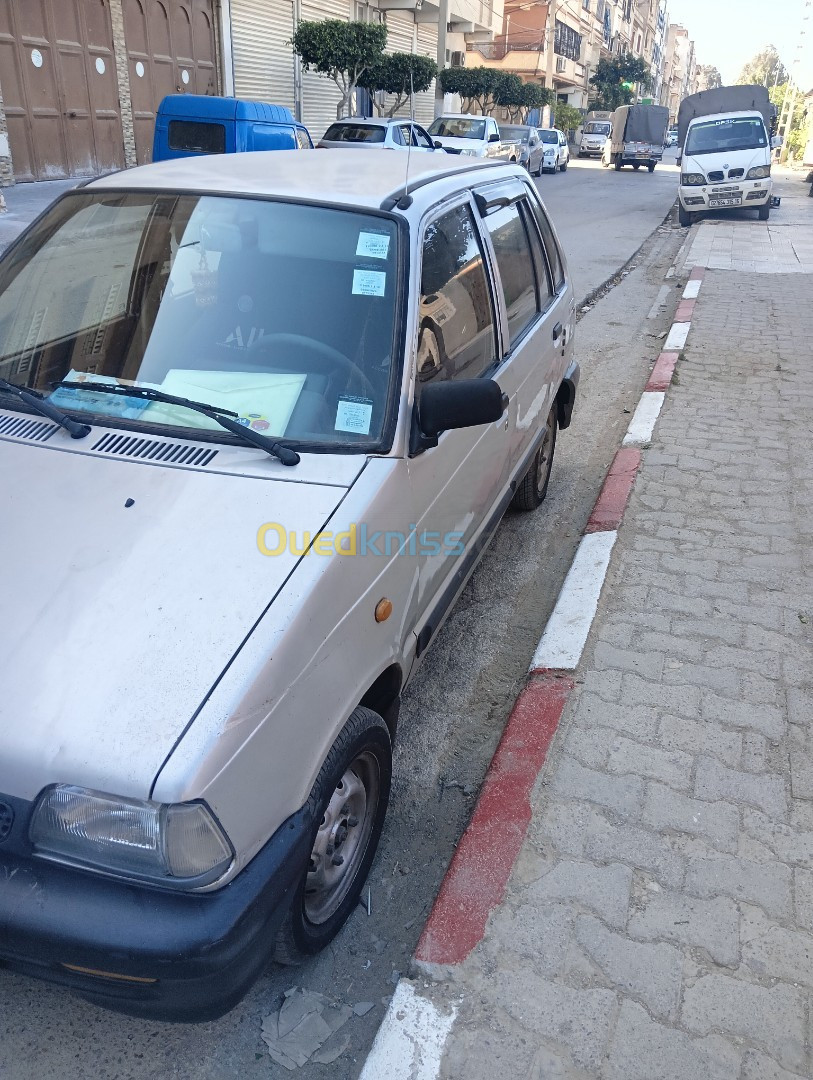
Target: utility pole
x=553 y=7
x=443 y=22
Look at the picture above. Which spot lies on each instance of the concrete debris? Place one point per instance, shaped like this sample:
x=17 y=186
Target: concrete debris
x=361 y=1008
x=306 y=1025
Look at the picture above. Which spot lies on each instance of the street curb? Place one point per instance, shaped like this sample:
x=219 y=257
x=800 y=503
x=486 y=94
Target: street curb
x=478 y=875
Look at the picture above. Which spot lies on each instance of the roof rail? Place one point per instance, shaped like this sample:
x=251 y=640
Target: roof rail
x=401 y=200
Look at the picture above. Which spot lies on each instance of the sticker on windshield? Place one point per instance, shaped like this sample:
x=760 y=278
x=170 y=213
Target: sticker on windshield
x=354 y=414
x=369 y=282
x=125 y=408
x=373 y=245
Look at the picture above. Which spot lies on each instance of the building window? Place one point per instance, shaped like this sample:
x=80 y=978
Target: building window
x=586 y=5
x=566 y=42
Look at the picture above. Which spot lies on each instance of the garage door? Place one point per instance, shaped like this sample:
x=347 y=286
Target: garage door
x=170 y=50
x=59 y=88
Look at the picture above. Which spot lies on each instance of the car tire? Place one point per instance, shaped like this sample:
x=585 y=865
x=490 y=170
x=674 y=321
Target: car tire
x=636 y=165
x=765 y=212
x=651 y=166
x=685 y=217
x=617 y=162
x=563 y=167
x=533 y=487
x=353 y=785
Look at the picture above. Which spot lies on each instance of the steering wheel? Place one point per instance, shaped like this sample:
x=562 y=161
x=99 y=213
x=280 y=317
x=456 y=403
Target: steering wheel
x=327 y=358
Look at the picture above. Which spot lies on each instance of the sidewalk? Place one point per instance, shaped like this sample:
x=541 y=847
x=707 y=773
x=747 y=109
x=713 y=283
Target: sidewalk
x=26 y=202
x=658 y=922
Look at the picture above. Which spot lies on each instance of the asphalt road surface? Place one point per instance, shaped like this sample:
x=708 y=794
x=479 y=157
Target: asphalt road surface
x=454 y=710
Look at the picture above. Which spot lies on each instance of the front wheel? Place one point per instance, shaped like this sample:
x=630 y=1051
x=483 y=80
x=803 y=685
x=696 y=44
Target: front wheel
x=349 y=802
x=651 y=166
x=765 y=212
x=563 y=167
x=617 y=163
x=685 y=217
x=533 y=487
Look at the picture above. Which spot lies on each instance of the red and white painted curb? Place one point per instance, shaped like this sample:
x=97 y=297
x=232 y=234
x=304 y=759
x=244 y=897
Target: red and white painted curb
x=410 y=1042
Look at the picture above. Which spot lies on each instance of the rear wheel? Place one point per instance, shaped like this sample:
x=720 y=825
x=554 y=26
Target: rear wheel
x=651 y=166
x=533 y=487
x=765 y=212
x=617 y=162
x=349 y=802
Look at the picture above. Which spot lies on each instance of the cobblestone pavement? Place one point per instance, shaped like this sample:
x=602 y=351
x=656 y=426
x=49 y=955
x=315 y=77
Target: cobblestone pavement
x=659 y=921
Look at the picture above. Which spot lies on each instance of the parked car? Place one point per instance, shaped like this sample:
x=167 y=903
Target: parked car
x=188 y=125
x=474 y=136
x=529 y=143
x=381 y=133
x=672 y=136
x=590 y=138
x=556 y=152
x=257 y=425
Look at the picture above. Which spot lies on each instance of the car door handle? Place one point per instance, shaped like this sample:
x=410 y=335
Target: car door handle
x=557 y=331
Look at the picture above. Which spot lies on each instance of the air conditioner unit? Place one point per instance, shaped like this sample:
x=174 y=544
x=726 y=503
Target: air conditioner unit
x=458 y=59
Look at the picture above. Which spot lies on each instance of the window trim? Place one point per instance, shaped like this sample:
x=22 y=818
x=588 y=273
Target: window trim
x=557 y=290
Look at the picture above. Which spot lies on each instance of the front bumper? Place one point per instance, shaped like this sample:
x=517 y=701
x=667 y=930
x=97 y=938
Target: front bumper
x=732 y=195
x=195 y=954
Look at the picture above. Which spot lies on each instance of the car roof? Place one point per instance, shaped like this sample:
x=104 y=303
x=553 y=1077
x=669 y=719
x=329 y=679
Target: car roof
x=376 y=121
x=338 y=176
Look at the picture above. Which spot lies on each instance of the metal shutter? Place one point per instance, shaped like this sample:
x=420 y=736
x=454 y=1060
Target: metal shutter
x=427 y=46
x=320 y=95
x=400 y=38
x=263 y=62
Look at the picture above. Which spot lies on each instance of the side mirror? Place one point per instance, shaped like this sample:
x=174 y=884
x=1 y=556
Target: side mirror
x=446 y=405
x=438 y=144
x=494 y=136
x=776 y=142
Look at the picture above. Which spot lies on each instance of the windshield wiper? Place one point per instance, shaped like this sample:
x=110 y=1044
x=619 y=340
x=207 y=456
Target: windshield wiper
x=214 y=412
x=36 y=402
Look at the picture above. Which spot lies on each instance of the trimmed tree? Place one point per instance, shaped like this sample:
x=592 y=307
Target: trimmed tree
x=565 y=117
x=478 y=87
x=614 y=80
x=533 y=96
x=401 y=74
x=343 y=51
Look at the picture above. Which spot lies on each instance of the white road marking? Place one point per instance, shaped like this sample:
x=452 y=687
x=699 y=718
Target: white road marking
x=677 y=336
x=692 y=290
x=409 y=1044
x=639 y=433
x=565 y=635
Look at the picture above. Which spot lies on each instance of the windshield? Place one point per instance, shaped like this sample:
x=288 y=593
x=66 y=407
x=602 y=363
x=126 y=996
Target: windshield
x=455 y=127
x=369 y=133
x=594 y=128
x=716 y=136
x=548 y=135
x=282 y=313
x=515 y=134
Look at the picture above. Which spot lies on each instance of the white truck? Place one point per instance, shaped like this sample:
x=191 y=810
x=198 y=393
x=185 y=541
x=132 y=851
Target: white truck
x=724 y=140
x=474 y=136
x=637 y=138
x=593 y=134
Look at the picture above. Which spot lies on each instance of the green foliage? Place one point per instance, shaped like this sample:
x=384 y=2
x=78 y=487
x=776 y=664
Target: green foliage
x=479 y=87
x=708 y=77
x=342 y=51
x=565 y=117
x=400 y=74
x=796 y=135
x=614 y=80
x=765 y=68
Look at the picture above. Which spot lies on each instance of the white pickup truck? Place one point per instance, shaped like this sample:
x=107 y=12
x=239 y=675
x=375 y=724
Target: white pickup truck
x=475 y=136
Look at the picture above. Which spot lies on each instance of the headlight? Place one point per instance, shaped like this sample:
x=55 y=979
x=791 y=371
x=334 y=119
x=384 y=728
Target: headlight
x=692 y=179
x=759 y=172
x=175 y=844
x=469 y=153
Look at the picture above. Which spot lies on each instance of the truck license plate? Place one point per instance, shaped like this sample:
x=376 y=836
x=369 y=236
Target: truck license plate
x=735 y=200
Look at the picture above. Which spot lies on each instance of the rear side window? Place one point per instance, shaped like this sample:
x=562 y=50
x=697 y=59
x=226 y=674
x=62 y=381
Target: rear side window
x=196 y=137
x=551 y=248
x=456 y=338
x=515 y=264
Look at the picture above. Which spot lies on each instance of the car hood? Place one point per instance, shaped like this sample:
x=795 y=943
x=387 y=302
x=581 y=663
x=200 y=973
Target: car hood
x=128 y=587
x=458 y=144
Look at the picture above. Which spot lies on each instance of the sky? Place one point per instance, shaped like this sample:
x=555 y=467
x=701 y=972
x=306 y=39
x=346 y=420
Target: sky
x=727 y=35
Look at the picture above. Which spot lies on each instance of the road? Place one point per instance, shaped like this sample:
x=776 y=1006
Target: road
x=453 y=712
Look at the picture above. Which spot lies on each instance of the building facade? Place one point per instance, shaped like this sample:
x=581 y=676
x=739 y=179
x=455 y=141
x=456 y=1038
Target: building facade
x=81 y=80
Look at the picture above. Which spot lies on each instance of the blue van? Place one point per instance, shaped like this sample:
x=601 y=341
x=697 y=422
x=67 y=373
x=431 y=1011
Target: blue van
x=193 y=124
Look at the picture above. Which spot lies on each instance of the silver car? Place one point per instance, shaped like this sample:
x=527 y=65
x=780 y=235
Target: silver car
x=531 y=147
x=260 y=415
x=380 y=133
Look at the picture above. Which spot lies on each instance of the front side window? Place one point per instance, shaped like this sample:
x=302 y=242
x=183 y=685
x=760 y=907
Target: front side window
x=456 y=337
x=515 y=134
x=717 y=136
x=283 y=314
x=516 y=268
